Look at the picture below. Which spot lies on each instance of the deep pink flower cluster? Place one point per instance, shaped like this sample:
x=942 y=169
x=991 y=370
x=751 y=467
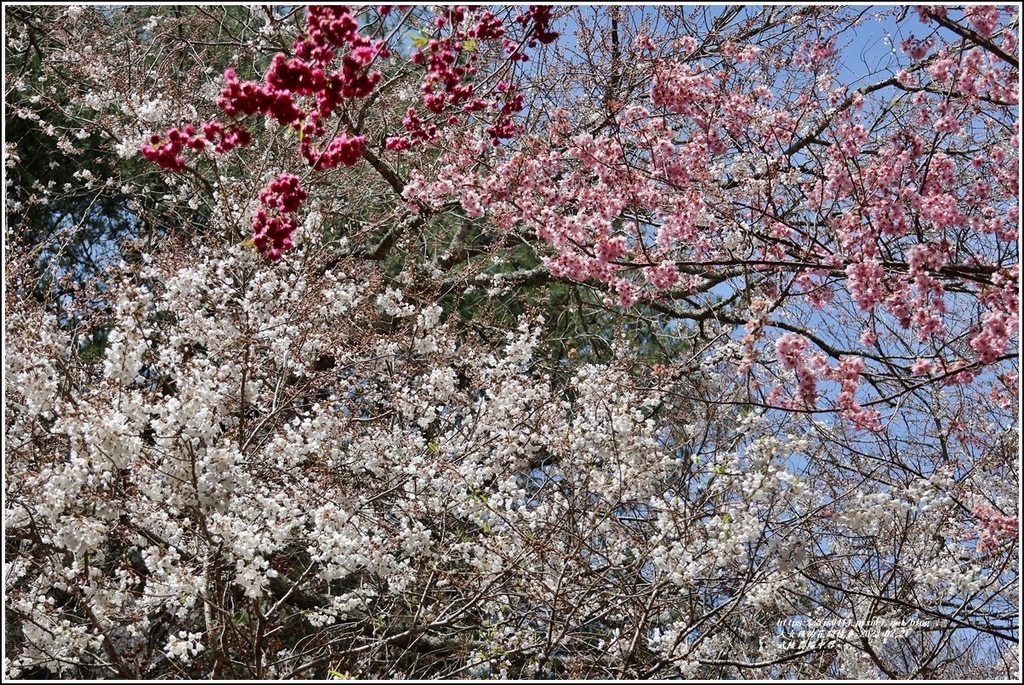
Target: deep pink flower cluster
x=329 y=28
x=272 y=230
x=304 y=76
x=284 y=194
x=443 y=84
x=272 y=234
x=295 y=75
x=244 y=99
x=439 y=59
x=537 y=19
x=488 y=27
x=418 y=132
x=166 y=153
x=449 y=64
x=226 y=138
x=344 y=150
x=540 y=17
x=355 y=80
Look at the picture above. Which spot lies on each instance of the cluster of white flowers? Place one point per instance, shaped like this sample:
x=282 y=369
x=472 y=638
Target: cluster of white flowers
x=32 y=365
x=183 y=646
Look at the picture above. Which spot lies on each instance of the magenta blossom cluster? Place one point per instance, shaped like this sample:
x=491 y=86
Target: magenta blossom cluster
x=307 y=76
x=344 y=149
x=304 y=90
x=271 y=228
x=450 y=63
x=244 y=99
x=300 y=92
x=166 y=152
x=540 y=17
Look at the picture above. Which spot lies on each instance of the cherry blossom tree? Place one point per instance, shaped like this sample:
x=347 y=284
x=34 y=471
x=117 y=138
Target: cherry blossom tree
x=511 y=342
